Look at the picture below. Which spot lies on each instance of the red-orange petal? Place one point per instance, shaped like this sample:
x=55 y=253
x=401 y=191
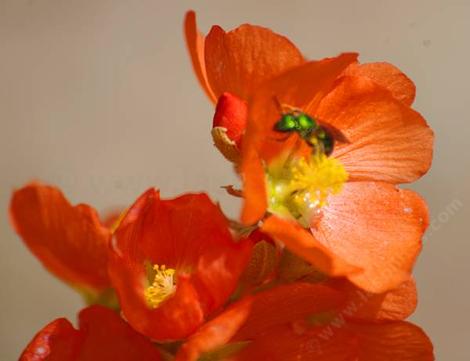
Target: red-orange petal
x=109 y=337
x=102 y=335
x=387 y=76
x=189 y=234
x=286 y=304
x=216 y=332
x=57 y=341
x=376 y=227
x=256 y=315
x=303 y=321
x=388 y=141
x=254 y=188
x=239 y=61
x=195 y=43
x=70 y=241
x=301 y=242
x=395 y=305
x=341 y=342
x=392 y=341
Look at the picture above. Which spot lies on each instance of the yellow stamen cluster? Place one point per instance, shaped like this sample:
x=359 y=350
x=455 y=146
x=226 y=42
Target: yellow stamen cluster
x=162 y=287
x=299 y=188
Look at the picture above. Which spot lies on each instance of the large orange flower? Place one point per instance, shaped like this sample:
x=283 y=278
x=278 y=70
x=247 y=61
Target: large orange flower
x=102 y=335
x=303 y=321
x=365 y=228
x=173 y=263
x=70 y=241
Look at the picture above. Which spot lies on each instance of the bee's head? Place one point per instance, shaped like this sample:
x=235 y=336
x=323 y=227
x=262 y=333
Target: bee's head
x=287 y=123
x=295 y=121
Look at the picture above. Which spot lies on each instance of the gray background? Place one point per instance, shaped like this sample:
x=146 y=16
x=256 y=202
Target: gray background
x=98 y=97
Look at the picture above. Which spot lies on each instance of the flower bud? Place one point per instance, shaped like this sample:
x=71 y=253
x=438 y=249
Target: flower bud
x=229 y=125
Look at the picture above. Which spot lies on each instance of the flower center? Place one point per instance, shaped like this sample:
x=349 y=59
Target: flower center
x=162 y=286
x=299 y=188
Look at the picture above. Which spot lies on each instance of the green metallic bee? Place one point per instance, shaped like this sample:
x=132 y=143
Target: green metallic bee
x=321 y=138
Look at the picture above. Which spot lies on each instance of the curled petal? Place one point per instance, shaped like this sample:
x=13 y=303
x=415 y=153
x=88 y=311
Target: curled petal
x=225 y=145
x=195 y=43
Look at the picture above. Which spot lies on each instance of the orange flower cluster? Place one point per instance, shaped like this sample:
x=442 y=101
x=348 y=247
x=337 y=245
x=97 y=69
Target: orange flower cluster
x=318 y=267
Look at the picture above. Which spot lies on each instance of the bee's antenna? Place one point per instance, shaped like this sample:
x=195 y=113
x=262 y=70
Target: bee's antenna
x=285 y=108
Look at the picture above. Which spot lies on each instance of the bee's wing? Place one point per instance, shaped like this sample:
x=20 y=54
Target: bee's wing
x=337 y=134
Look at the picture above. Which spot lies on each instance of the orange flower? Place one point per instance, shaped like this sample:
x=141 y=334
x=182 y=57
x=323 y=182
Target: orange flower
x=70 y=241
x=342 y=212
x=365 y=229
x=102 y=335
x=303 y=321
x=173 y=263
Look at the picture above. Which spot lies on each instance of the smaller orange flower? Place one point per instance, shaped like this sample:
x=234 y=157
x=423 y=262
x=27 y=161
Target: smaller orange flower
x=102 y=335
x=70 y=241
x=303 y=321
x=173 y=263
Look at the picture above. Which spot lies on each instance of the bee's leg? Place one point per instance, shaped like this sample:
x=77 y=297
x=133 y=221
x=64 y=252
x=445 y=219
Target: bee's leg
x=293 y=151
x=285 y=108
